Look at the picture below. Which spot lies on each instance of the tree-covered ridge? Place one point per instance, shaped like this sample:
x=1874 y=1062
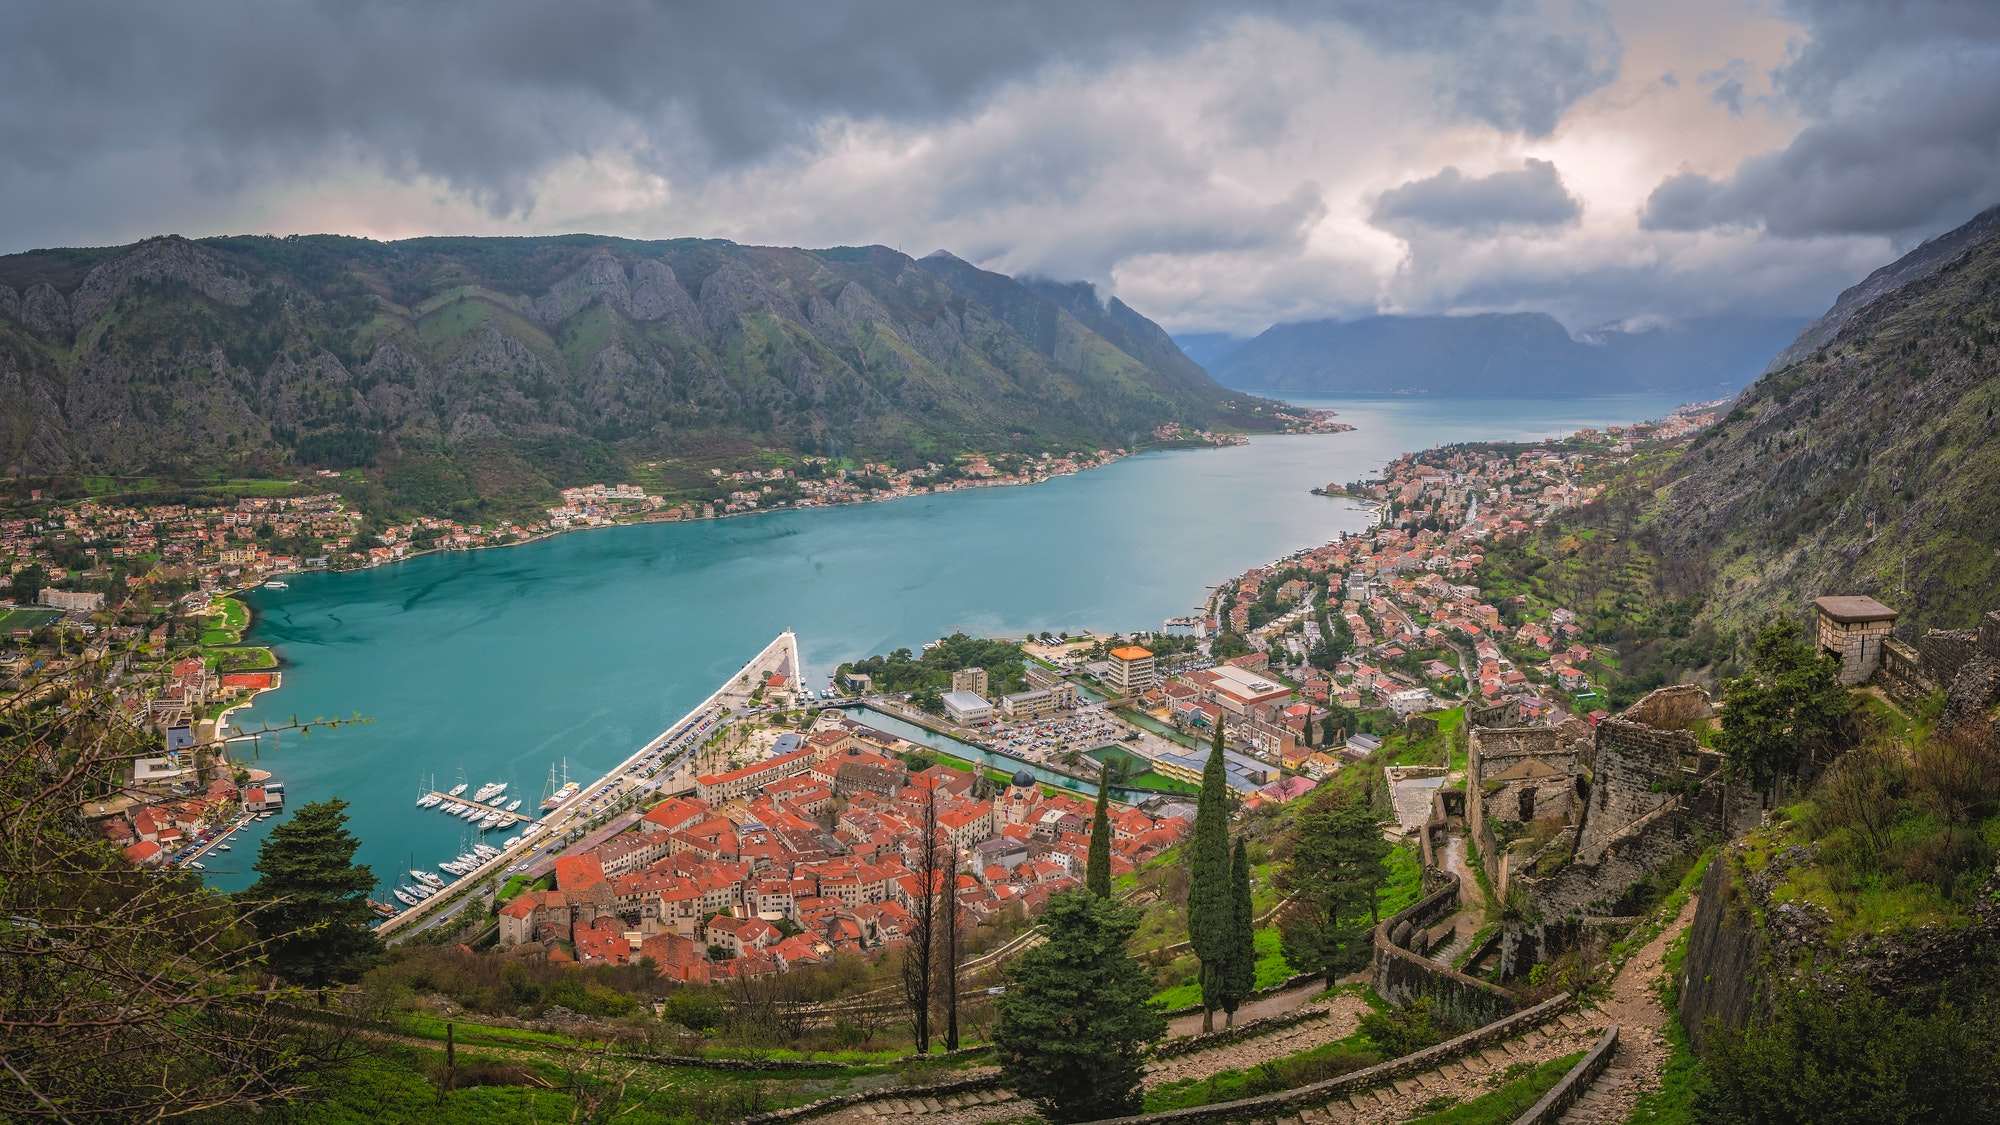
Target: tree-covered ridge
x=475 y=366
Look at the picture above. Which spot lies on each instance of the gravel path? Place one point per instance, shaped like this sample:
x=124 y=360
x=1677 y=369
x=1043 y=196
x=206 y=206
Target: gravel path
x=1274 y=1005
x=1345 y=1012
x=1641 y=1054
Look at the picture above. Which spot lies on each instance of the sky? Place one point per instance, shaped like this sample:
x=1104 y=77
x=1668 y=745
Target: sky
x=1220 y=167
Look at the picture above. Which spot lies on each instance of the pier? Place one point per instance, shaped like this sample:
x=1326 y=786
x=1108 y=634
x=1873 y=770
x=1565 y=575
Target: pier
x=507 y=819
x=635 y=772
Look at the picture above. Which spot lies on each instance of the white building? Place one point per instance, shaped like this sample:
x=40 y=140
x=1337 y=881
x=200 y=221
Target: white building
x=965 y=708
x=72 y=599
x=1407 y=703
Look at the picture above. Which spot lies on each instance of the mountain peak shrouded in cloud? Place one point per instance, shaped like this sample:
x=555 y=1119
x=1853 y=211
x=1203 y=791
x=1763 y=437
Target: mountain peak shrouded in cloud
x=1222 y=167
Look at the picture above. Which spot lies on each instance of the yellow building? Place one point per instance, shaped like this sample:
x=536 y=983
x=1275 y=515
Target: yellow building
x=1131 y=670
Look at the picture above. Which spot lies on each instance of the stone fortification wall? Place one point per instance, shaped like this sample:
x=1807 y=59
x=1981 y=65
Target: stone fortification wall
x=1989 y=634
x=1490 y=715
x=1901 y=674
x=1638 y=769
x=1671 y=708
x=1589 y=886
x=1402 y=974
x=1944 y=651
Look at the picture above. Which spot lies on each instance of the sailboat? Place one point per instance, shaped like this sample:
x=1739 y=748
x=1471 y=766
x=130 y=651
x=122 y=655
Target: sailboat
x=461 y=786
x=553 y=797
x=514 y=804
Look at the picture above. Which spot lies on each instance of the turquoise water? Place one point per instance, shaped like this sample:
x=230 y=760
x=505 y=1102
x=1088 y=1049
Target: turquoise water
x=583 y=647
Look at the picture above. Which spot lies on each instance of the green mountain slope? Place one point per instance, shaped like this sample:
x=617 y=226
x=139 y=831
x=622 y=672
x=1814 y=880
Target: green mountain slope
x=1872 y=466
x=512 y=365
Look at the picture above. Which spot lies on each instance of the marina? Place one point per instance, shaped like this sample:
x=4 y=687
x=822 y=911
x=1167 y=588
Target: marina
x=641 y=771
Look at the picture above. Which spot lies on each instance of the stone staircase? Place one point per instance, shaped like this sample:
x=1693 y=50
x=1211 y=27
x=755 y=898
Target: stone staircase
x=1602 y=1104
x=950 y=1103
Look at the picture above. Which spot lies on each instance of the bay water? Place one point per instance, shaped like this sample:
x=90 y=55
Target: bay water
x=494 y=665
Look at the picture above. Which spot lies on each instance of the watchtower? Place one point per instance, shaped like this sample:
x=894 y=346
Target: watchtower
x=1851 y=629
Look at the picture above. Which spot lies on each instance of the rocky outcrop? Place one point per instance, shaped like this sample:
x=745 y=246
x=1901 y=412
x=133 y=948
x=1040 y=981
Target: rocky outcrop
x=1747 y=941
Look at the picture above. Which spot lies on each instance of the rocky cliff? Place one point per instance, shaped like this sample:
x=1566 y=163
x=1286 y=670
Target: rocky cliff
x=551 y=358
x=1871 y=466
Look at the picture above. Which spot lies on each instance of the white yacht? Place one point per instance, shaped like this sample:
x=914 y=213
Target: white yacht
x=427 y=879
x=457 y=789
x=405 y=897
x=486 y=851
x=514 y=804
x=274 y=584
x=490 y=790
x=420 y=892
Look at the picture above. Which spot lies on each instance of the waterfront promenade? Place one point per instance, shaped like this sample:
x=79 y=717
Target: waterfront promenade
x=780 y=656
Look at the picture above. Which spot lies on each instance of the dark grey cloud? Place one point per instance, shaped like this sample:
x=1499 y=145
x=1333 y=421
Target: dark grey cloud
x=219 y=96
x=1534 y=196
x=1903 y=102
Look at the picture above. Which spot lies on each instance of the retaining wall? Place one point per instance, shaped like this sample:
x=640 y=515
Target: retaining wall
x=843 y=1101
x=1288 y=1102
x=1401 y=975
x=1566 y=1092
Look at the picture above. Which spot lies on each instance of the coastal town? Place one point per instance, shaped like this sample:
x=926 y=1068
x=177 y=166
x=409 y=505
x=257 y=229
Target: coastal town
x=782 y=824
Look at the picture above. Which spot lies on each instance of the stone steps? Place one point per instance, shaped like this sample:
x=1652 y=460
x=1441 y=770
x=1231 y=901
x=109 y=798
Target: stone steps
x=921 y=1105
x=1464 y=1078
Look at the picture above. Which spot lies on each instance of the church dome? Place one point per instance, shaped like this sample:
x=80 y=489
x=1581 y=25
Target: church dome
x=1024 y=780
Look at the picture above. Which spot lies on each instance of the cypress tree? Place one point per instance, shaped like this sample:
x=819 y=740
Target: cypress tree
x=1210 y=913
x=1241 y=978
x=1097 y=873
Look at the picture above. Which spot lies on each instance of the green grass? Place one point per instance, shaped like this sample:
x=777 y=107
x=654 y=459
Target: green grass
x=1511 y=1100
x=1328 y=1060
x=13 y=619
x=240 y=659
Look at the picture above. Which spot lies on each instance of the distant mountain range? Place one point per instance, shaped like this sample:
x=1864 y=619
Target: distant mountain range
x=467 y=368
x=1493 y=353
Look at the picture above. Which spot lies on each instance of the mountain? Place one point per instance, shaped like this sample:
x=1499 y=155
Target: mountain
x=522 y=364
x=1871 y=467
x=1913 y=266
x=1500 y=353
x=1207 y=347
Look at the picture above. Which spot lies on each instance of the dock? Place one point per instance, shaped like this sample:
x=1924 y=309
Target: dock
x=507 y=819
x=671 y=745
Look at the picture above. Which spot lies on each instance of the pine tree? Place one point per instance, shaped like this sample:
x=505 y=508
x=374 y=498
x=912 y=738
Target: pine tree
x=1334 y=882
x=1241 y=978
x=312 y=902
x=1076 y=1016
x=1097 y=872
x=1210 y=913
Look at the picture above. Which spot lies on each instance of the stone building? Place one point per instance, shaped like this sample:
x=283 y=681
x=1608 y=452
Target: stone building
x=1851 y=629
x=969 y=679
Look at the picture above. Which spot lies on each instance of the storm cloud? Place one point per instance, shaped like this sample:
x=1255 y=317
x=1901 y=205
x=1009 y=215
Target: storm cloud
x=1217 y=165
x=1902 y=133
x=1534 y=196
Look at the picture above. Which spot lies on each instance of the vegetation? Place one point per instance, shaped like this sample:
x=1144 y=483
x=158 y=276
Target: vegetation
x=1854 y=1059
x=1241 y=978
x=1525 y=1085
x=101 y=964
x=1789 y=710
x=930 y=672
x=311 y=903
x=1097 y=869
x=1210 y=900
x=1338 y=867
x=1075 y=1019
